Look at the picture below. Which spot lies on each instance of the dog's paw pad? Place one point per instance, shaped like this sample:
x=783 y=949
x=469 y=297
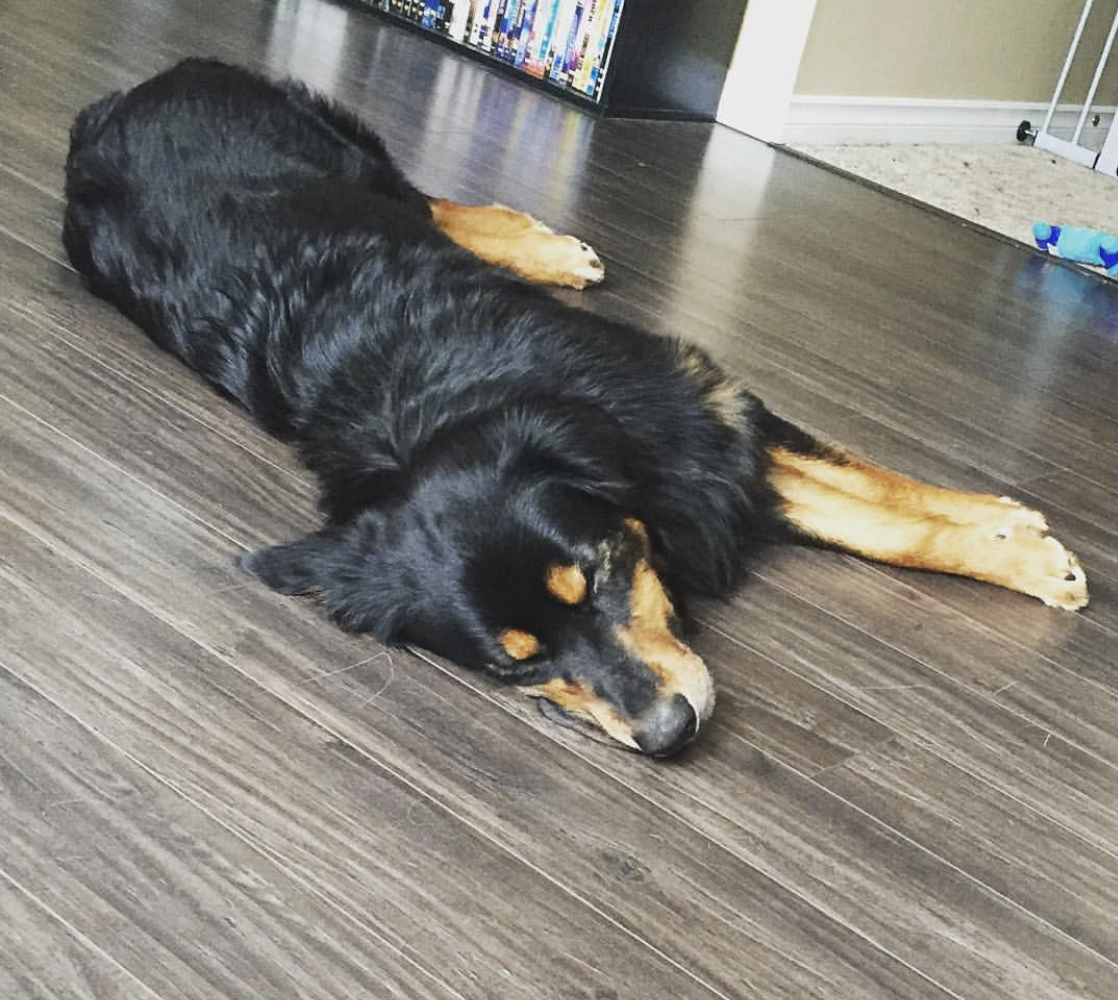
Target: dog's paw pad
x=581 y=264
x=590 y=273
x=1044 y=568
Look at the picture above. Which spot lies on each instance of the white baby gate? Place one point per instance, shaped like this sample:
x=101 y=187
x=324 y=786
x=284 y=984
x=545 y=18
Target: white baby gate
x=1106 y=159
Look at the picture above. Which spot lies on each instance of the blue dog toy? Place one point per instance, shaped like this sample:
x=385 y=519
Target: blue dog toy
x=1087 y=246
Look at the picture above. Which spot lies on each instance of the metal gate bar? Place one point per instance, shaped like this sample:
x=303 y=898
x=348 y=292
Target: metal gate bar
x=1105 y=160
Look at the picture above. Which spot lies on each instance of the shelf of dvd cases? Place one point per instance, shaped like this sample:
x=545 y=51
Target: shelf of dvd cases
x=629 y=58
x=563 y=43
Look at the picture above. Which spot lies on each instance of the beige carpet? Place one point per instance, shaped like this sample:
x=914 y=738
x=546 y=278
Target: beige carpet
x=1003 y=187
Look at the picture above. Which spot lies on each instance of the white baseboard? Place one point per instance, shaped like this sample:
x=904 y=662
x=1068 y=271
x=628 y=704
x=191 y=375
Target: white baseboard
x=858 y=120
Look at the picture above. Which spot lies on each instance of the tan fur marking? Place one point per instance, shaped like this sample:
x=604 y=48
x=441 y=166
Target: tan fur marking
x=567 y=584
x=519 y=645
x=637 y=528
x=720 y=394
x=649 y=604
x=888 y=517
x=648 y=636
x=579 y=699
x=518 y=242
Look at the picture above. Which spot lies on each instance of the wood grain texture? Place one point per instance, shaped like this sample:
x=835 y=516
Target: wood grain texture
x=177 y=900
x=44 y=959
x=909 y=786
x=574 y=826
x=415 y=883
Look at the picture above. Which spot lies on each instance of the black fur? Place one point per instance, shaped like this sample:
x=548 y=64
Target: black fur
x=467 y=429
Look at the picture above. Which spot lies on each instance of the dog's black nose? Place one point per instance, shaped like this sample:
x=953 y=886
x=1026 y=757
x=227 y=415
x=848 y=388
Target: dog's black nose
x=669 y=727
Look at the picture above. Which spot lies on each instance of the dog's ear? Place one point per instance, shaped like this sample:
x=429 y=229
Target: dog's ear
x=359 y=585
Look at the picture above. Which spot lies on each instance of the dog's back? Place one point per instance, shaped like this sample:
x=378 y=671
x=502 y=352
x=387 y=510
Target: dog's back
x=204 y=122
x=207 y=201
x=267 y=240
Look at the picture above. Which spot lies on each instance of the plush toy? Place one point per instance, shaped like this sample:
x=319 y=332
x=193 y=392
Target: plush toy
x=1087 y=246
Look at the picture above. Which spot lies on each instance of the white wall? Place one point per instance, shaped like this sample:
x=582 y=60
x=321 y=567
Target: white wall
x=762 y=75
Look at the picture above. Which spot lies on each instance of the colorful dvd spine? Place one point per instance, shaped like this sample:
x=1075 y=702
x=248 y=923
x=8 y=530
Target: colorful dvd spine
x=496 y=39
x=518 y=41
x=542 y=26
x=477 y=19
x=458 y=21
x=564 y=52
x=485 y=33
x=582 y=46
x=593 y=45
x=597 y=71
x=558 y=37
x=508 y=21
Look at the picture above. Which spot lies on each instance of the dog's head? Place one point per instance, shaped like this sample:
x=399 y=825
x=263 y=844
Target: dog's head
x=542 y=583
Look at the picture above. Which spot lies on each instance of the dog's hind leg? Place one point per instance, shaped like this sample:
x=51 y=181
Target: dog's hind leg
x=827 y=496
x=518 y=242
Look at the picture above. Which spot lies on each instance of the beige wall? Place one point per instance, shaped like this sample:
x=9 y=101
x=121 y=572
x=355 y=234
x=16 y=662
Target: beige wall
x=993 y=50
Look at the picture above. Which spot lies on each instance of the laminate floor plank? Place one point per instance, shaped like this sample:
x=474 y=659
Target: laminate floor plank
x=896 y=889
x=178 y=901
x=417 y=878
x=917 y=877
x=30 y=215
x=424 y=725
x=1069 y=678
x=982 y=830
x=937 y=704
x=45 y=960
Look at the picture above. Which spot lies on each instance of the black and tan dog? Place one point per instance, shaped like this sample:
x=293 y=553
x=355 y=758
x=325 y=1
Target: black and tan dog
x=519 y=485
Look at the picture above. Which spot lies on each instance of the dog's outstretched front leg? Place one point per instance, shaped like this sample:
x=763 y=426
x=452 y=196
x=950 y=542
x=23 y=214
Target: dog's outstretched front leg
x=833 y=498
x=518 y=242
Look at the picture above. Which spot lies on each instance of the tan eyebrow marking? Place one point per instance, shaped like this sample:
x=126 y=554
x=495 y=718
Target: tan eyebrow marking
x=519 y=645
x=637 y=528
x=567 y=583
x=649 y=604
x=648 y=636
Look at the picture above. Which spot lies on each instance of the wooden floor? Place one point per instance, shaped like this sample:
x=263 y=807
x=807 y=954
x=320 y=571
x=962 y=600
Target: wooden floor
x=910 y=790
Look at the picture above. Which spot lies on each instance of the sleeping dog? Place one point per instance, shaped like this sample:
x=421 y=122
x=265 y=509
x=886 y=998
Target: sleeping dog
x=516 y=484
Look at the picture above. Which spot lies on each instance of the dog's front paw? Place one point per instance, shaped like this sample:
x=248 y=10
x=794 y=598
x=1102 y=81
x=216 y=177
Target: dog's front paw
x=1035 y=563
x=573 y=263
x=1057 y=578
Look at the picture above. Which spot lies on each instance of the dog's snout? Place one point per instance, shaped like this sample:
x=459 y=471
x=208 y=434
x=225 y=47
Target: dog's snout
x=669 y=727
